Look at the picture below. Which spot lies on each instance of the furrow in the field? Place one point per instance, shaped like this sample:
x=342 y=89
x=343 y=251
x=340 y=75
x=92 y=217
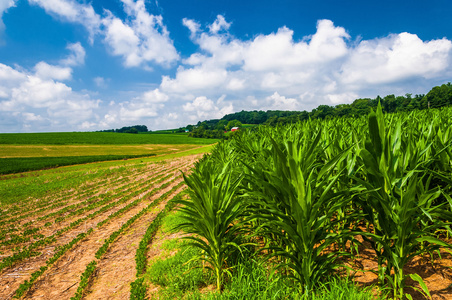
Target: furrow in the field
x=40 y=222
x=61 y=280
x=113 y=188
x=11 y=277
x=126 y=196
x=121 y=201
x=116 y=270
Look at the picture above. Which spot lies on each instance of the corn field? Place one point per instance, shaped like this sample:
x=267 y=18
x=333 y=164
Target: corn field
x=307 y=195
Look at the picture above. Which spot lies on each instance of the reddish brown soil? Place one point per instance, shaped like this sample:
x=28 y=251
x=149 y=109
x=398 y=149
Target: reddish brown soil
x=437 y=275
x=102 y=189
x=29 y=267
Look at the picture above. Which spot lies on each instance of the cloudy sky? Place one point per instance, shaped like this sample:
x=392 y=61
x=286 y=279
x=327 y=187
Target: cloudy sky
x=84 y=65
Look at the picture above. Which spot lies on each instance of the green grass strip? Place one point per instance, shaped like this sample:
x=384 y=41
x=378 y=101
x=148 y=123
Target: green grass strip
x=137 y=288
x=12 y=165
x=99 y=138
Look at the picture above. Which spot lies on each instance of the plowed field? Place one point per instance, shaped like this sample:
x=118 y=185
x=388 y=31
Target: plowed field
x=98 y=218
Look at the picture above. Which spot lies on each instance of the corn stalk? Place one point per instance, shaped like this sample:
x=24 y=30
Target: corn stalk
x=399 y=202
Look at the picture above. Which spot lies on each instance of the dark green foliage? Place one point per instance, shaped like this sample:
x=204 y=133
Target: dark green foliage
x=210 y=213
x=84 y=280
x=132 y=129
x=24 y=164
x=200 y=132
x=400 y=201
x=250 y=280
x=138 y=289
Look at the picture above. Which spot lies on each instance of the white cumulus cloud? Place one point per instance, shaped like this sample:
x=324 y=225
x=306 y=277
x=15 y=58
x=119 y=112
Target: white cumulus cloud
x=396 y=57
x=202 y=108
x=76 y=56
x=29 y=97
x=45 y=71
x=144 y=107
x=278 y=102
x=63 y=71
x=143 y=38
x=219 y=24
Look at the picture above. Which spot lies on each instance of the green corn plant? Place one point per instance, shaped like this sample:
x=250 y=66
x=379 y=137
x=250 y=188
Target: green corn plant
x=295 y=200
x=211 y=214
x=399 y=201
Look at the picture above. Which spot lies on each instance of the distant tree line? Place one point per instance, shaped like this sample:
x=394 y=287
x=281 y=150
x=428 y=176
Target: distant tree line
x=129 y=129
x=213 y=129
x=438 y=96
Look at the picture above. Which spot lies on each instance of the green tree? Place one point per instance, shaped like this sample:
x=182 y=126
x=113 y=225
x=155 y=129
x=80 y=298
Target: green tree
x=233 y=123
x=221 y=125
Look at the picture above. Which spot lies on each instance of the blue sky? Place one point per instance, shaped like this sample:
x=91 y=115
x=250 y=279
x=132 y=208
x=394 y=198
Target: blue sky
x=75 y=65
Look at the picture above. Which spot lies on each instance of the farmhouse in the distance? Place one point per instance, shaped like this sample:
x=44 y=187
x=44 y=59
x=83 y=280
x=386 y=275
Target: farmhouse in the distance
x=234 y=128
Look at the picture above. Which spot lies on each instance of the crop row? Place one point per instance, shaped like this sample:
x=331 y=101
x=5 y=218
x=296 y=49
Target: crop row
x=24 y=287
x=318 y=185
x=19 y=192
x=12 y=165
